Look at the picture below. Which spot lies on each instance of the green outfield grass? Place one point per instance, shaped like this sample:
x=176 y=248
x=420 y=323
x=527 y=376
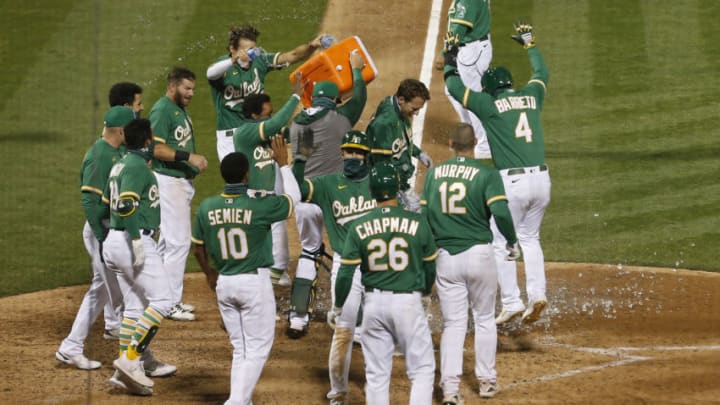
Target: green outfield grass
x=629 y=120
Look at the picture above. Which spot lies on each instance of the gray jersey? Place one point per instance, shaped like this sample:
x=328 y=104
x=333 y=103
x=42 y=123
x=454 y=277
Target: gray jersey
x=328 y=134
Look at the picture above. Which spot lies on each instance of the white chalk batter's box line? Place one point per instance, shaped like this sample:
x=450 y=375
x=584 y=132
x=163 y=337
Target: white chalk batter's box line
x=621 y=352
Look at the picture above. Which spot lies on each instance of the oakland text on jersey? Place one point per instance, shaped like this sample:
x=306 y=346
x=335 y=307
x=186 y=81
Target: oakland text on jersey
x=355 y=209
x=262 y=156
x=229 y=216
x=456 y=171
x=386 y=225
x=183 y=134
x=516 y=103
x=235 y=95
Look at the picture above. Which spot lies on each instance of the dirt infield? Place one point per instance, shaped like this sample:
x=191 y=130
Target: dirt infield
x=610 y=334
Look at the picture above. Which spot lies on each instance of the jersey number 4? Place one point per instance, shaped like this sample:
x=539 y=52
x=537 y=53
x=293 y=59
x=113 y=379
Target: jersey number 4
x=233 y=243
x=522 y=129
x=391 y=254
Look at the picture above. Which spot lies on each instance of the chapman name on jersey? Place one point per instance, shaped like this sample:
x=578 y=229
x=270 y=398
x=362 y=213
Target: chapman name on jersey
x=516 y=103
x=387 y=225
x=222 y=216
x=456 y=171
x=353 y=210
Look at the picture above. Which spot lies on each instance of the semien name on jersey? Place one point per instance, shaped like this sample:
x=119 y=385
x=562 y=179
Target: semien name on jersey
x=516 y=103
x=385 y=225
x=229 y=216
x=456 y=171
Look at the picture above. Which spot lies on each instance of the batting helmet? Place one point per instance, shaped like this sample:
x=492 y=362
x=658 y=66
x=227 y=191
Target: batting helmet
x=496 y=78
x=356 y=140
x=384 y=181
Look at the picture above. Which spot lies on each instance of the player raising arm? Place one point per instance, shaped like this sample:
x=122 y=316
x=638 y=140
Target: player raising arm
x=232 y=229
x=514 y=129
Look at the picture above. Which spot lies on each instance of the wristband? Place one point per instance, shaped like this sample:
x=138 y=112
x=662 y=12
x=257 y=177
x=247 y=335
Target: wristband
x=181 y=155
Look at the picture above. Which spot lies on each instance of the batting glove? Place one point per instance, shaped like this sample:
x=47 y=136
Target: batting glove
x=513 y=251
x=524 y=34
x=426 y=160
x=138 y=251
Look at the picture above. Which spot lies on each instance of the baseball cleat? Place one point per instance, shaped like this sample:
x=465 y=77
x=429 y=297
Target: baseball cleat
x=177 y=314
x=339 y=399
x=111 y=334
x=132 y=374
x=453 y=399
x=187 y=307
x=488 y=389
x=284 y=280
x=116 y=382
x=534 y=310
x=79 y=361
x=156 y=368
x=296 y=329
x=507 y=316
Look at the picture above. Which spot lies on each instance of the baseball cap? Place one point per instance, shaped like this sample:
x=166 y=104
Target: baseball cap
x=118 y=116
x=326 y=89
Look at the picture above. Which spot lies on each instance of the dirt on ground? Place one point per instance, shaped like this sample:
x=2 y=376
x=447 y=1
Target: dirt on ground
x=611 y=334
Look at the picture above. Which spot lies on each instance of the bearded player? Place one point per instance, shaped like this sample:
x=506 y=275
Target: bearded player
x=342 y=197
x=233 y=229
x=515 y=133
x=459 y=196
x=396 y=253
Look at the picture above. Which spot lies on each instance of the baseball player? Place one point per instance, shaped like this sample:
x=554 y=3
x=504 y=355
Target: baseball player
x=104 y=291
x=175 y=165
x=396 y=253
x=328 y=124
x=342 y=198
x=232 y=228
x=132 y=253
x=240 y=73
x=469 y=30
x=512 y=121
x=127 y=94
x=391 y=136
x=459 y=196
x=252 y=138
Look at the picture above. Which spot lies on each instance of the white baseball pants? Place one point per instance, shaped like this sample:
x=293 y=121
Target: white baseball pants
x=175 y=229
x=225 y=145
x=341 y=354
x=247 y=307
x=140 y=287
x=528 y=196
x=280 y=248
x=103 y=293
x=389 y=318
x=469 y=275
x=472 y=62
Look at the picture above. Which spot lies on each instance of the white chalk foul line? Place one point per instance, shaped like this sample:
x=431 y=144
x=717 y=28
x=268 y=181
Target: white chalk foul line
x=426 y=73
x=613 y=351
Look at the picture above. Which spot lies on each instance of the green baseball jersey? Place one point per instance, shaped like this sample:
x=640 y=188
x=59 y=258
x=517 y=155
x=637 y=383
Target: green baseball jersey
x=252 y=138
x=390 y=137
x=172 y=126
x=229 y=91
x=469 y=20
x=131 y=178
x=392 y=246
x=235 y=230
x=94 y=173
x=456 y=201
x=341 y=200
x=512 y=119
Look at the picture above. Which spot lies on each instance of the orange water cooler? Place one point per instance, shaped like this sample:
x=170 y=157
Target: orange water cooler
x=333 y=64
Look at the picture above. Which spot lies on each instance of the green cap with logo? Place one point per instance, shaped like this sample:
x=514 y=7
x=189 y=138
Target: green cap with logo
x=326 y=89
x=118 y=116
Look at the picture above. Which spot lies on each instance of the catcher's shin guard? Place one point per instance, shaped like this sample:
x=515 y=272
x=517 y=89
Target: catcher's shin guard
x=302 y=296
